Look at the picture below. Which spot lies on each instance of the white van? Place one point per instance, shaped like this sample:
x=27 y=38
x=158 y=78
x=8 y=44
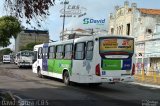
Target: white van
x=6 y=59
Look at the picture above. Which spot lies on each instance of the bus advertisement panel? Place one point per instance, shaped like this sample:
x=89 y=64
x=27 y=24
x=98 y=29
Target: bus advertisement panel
x=116 y=53
x=116 y=44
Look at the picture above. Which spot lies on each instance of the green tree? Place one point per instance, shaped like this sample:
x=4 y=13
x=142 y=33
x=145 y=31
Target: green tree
x=5 y=51
x=37 y=9
x=30 y=46
x=9 y=27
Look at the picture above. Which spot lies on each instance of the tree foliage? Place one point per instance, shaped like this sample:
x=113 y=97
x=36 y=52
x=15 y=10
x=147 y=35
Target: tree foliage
x=29 y=8
x=30 y=46
x=5 y=52
x=9 y=27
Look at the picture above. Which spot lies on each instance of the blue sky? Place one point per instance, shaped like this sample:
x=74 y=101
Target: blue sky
x=96 y=9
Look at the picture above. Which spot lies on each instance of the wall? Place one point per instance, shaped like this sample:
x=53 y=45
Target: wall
x=25 y=38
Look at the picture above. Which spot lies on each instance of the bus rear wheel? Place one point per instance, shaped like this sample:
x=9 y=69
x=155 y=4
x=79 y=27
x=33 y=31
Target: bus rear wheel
x=66 y=78
x=19 y=66
x=95 y=84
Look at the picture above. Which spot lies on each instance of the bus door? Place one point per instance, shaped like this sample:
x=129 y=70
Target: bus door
x=35 y=59
x=51 y=58
x=45 y=57
x=82 y=62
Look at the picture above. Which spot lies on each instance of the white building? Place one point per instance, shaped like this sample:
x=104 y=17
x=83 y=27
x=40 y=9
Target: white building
x=140 y=23
x=152 y=51
x=71 y=34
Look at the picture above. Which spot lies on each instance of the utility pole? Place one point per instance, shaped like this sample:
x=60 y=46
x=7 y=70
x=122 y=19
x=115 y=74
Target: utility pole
x=65 y=2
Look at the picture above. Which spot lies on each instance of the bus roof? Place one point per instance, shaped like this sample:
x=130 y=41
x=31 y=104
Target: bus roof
x=99 y=36
x=108 y=35
x=82 y=38
x=61 y=42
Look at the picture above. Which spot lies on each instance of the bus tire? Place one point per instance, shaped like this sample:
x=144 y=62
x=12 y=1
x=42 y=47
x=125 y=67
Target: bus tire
x=66 y=78
x=95 y=84
x=39 y=73
x=19 y=66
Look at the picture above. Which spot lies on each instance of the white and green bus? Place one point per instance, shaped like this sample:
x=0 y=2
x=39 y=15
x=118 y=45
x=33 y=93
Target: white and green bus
x=93 y=59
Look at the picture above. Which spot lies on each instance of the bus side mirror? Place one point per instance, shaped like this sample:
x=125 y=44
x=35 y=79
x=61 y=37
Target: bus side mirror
x=34 y=59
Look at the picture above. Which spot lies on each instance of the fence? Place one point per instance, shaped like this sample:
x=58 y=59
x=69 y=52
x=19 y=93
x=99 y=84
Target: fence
x=151 y=77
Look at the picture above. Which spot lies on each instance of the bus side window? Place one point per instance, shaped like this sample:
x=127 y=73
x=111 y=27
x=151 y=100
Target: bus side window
x=45 y=53
x=40 y=53
x=79 y=51
x=68 y=51
x=89 y=50
x=51 y=54
x=59 y=52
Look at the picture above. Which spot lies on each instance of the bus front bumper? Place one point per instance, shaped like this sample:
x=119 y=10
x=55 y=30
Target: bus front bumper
x=25 y=64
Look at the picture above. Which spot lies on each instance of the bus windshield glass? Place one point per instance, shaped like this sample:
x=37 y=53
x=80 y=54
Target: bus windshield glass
x=116 y=44
x=27 y=54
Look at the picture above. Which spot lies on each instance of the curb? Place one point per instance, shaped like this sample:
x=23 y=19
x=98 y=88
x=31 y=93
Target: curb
x=145 y=85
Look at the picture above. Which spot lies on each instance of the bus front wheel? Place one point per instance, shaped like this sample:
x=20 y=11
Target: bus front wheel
x=19 y=66
x=95 y=84
x=66 y=78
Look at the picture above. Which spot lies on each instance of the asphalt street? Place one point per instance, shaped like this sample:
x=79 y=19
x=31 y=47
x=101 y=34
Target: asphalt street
x=50 y=91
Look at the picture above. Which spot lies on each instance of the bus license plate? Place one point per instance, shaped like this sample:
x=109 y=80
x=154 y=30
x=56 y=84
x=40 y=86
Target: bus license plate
x=116 y=79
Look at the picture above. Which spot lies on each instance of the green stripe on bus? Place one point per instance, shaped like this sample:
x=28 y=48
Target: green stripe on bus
x=57 y=66
x=111 y=64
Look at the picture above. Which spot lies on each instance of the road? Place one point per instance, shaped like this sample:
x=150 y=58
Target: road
x=25 y=84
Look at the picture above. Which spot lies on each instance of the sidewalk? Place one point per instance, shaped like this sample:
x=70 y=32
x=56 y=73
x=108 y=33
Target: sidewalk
x=146 y=85
x=153 y=79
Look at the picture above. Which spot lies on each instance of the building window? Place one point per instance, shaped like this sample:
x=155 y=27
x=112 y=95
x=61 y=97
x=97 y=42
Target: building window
x=149 y=31
x=59 y=52
x=122 y=29
x=79 y=51
x=68 y=51
x=89 y=51
x=51 y=52
x=72 y=36
x=128 y=29
x=117 y=30
x=112 y=30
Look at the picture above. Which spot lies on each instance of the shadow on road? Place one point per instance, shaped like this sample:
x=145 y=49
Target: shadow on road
x=89 y=87
x=64 y=96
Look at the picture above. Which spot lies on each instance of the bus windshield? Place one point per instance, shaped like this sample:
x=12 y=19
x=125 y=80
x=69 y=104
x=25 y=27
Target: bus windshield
x=27 y=54
x=113 y=45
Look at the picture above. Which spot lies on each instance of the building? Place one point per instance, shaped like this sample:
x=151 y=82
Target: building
x=121 y=20
x=71 y=34
x=152 y=51
x=140 y=23
x=30 y=36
